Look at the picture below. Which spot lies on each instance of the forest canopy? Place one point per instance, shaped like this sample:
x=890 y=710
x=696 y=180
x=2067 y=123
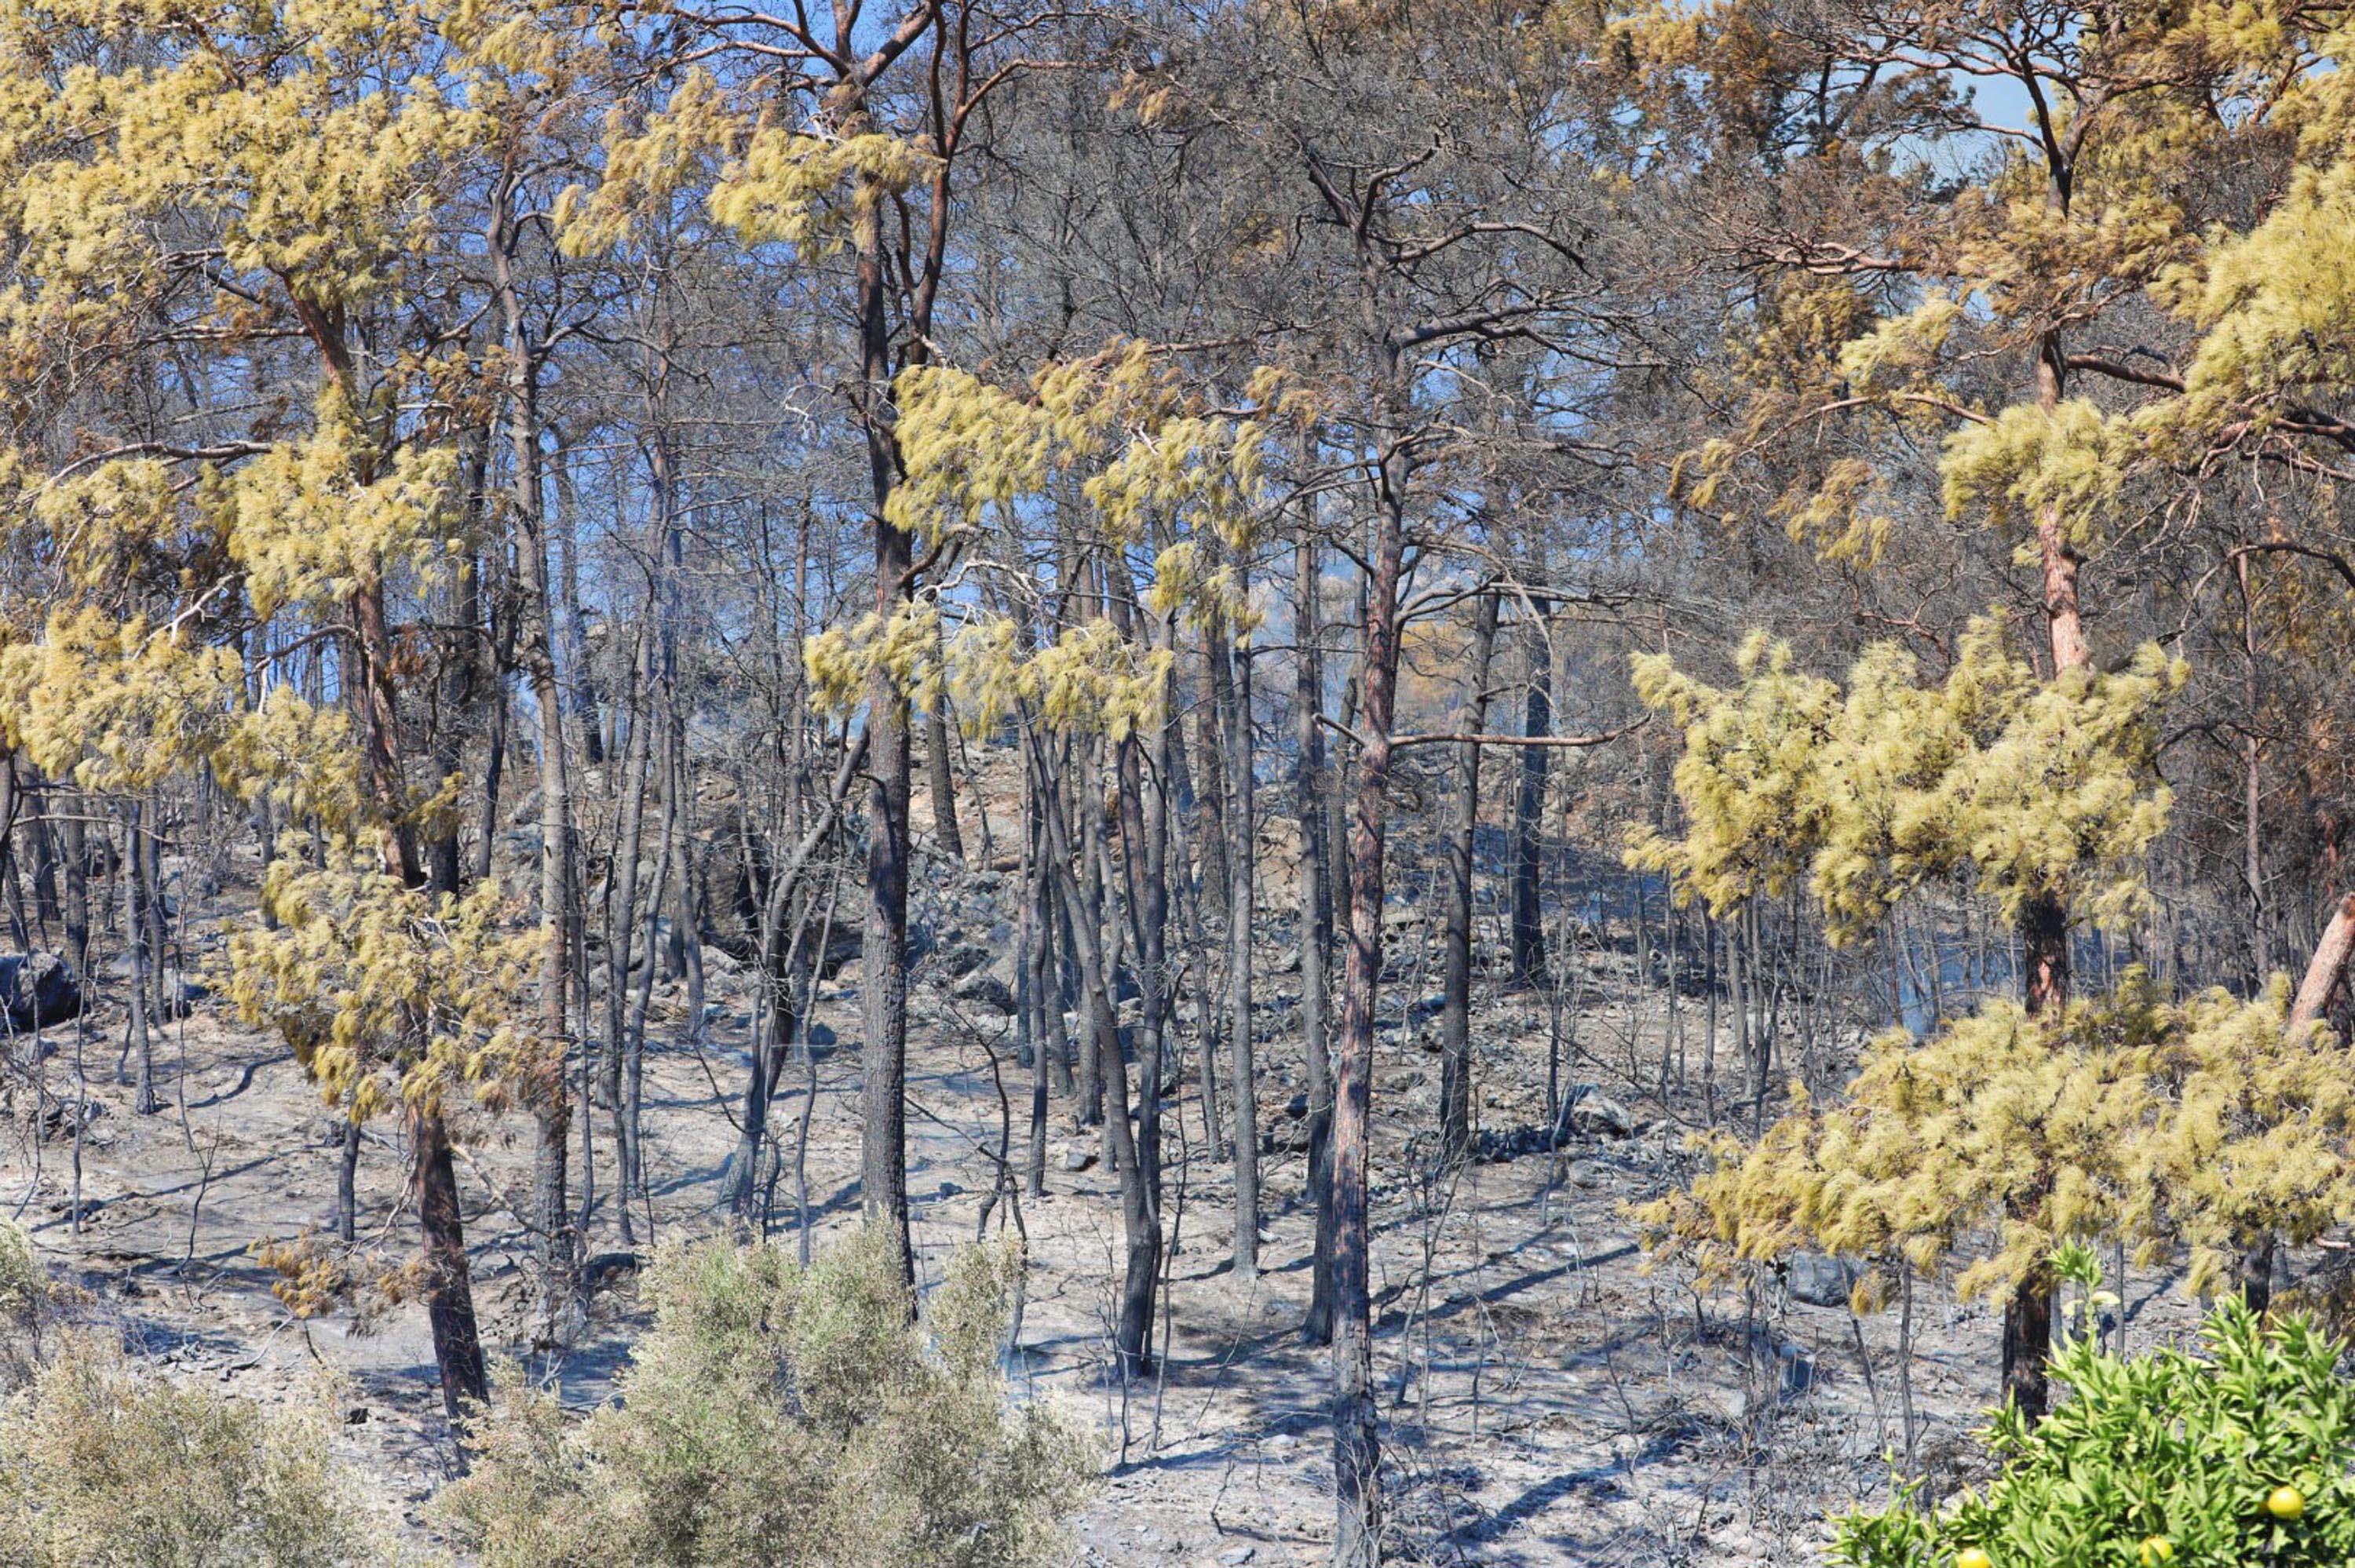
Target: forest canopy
x=970 y=622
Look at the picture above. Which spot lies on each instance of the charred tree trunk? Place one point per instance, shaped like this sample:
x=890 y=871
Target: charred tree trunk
x=1140 y=1221
x=2028 y=1316
x=630 y=1101
x=628 y=851
x=495 y=762
x=1315 y=925
x=76 y=855
x=1356 y=1453
x=2044 y=924
x=1145 y=831
x=141 y=1022
x=549 y=1096
x=1031 y=983
x=1455 y=1011
x=1231 y=689
x=940 y=781
x=348 y=1180
x=571 y=633
x=1529 y=956
x=1087 y=1093
x=1210 y=771
x=883 y=978
x=449 y=1293
x=788 y=972
x=1338 y=813
x=149 y=846
x=379 y=710
x=462 y=669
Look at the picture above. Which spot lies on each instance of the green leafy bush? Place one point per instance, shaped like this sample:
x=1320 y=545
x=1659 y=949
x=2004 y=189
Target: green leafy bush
x=2236 y=1456
x=105 y=1465
x=786 y=1416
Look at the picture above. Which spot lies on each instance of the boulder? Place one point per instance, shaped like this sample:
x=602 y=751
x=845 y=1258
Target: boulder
x=1817 y=1280
x=984 y=985
x=38 y=990
x=1598 y=1116
x=958 y=960
x=1590 y=1113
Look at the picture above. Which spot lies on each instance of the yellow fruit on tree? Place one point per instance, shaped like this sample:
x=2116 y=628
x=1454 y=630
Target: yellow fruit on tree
x=2157 y=1549
x=2286 y=1502
x=1973 y=1557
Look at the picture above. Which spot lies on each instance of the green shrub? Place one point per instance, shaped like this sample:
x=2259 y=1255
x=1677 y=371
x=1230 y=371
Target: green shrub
x=104 y=1466
x=778 y=1415
x=2236 y=1456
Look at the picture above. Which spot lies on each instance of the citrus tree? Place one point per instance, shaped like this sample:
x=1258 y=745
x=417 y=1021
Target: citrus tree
x=2235 y=1453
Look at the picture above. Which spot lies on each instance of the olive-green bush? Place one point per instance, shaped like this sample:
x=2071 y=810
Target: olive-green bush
x=786 y=1416
x=2232 y=1455
x=105 y=1465
x=27 y=1306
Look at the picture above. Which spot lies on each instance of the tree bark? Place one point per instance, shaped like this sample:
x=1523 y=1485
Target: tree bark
x=548 y=1094
x=1230 y=681
x=784 y=971
x=2252 y=864
x=1210 y=770
x=379 y=710
x=449 y=1293
x=1529 y=810
x=1455 y=1011
x=1140 y=1221
x=2324 y=971
x=1144 y=824
x=1356 y=1454
x=2044 y=924
x=149 y=846
x=1344 y=763
x=883 y=980
x=141 y=1021
x=495 y=763
x=461 y=668
x=1031 y=982
x=621 y=888
x=940 y=782
x=629 y=1105
x=581 y=692
x=1315 y=923
x=347 y=1168
x=76 y=855
x=2028 y=1316
x=1087 y=1099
